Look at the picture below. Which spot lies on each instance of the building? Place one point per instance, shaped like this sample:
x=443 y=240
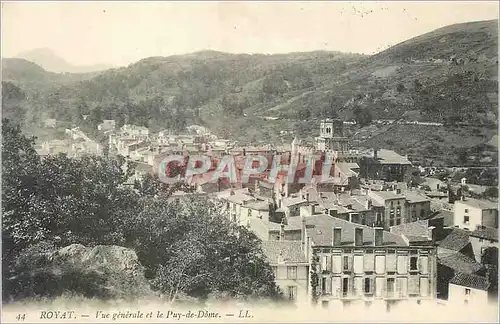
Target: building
x=470 y=213
x=395 y=208
x=384 y=164
x=469 y=289
x=360 y=263
x=418 y=205
x=481 y=239
x=106 y=125
x=331 y=136
x=290 y=267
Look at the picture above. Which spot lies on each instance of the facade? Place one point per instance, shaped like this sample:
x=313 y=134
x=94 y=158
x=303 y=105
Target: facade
x=395 y=208
x=470 y=213
x=469 y=289
x=384 y=165
x=290 y=267
x=332 y=136
x=360 y=263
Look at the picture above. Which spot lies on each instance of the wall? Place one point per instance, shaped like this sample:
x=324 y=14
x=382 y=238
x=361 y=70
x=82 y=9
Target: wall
x=478 y=244
x=490 y=218
x=388 y=206
x=415 y=210
x=456 y=294
x=475 y=216
x=378 y=265
x=301 y=281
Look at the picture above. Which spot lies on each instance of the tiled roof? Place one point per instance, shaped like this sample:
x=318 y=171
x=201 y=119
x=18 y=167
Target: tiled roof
x=239 y=198
x=322 y=232
x=419 y=228
x=471 y=281
x=460 y=263
x=414 y=197
x=258 y=205
x=293 y=201
x=288 y=251
x=476 y=203
x=391 y=157
x=456 y=240
x=486 y=233
x=385 y=195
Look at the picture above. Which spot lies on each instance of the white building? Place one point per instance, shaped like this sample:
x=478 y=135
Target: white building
x=470 y=213
x=468 y=289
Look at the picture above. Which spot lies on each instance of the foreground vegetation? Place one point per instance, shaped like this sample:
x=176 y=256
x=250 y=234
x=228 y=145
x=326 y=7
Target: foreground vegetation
x=186 y=248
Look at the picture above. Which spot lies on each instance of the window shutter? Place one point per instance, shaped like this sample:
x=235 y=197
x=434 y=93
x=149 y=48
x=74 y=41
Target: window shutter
x=369 y=262
x=402 y=287
x=328 y=285
x=328 y=263
x=336 y=263
x=391 y=262
x=424 y=265
x=323 y=263
x=413 y=285
x=424 y=287
x=358 y=264
x=379 y=286
x=358 y=286
x=336 y=286
x=402 y=264
x=380 y=264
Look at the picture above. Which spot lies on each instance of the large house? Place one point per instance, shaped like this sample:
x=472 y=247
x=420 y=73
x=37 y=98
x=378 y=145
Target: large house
x=290 y=267
x=470 y=213
x=361 y=263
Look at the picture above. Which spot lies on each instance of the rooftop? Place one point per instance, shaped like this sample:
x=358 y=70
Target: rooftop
x=322 y=231
x=414 y=197
x=486 y=233
x=456 y=240
x=476 y=203
x=470 y=281
x=258 y=205
x=390 y=157
x=287 y=251
x=460 y=263
x=414 y=229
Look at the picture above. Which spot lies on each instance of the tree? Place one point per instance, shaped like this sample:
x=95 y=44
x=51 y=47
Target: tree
x=228 y=258
x=400 y=88
x=362 y=116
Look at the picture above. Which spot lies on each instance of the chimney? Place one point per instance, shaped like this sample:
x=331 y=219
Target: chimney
x=368 y=204
x=282 y=232
x=379 y=236
x=337 y=236
x=244 y=152
x=358 y=236
x=375 y=153
x=430 y=232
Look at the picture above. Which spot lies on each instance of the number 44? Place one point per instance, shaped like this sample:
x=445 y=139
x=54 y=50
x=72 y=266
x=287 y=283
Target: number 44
x=20 y=317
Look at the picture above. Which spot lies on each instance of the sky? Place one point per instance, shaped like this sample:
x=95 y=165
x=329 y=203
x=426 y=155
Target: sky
x=120 y=33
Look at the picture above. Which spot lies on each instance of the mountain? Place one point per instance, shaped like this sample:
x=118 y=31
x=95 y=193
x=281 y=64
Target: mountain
x=448 y=75
x=48 y=60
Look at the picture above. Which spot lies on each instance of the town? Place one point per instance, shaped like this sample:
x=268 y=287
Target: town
x=375 y=229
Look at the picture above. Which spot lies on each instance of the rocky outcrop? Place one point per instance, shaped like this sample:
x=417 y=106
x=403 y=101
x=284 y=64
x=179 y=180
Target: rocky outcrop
x=118 y=268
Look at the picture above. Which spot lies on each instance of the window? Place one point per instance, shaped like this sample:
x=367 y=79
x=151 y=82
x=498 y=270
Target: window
x=291 y=272
x=345 y=286
x=467 y=291
x=466 y=210
x=292 y=292
x=324 y=303
x=323 y=285
x=275 y=271
x=390 y=286
x=346 y=263
x=368 y=286
x=466 y=219
x=249 y=213
x=413 y=263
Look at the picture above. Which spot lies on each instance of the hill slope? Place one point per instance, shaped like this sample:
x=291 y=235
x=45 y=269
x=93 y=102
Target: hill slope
x=48 y=60
x=447 y=75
